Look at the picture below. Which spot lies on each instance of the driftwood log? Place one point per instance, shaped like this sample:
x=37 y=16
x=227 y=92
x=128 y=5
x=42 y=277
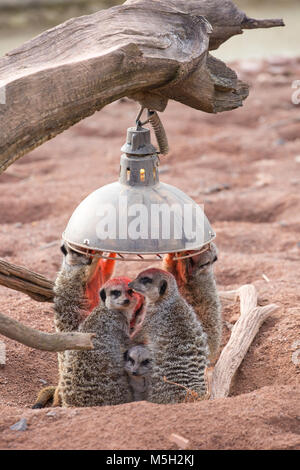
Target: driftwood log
x=242 y=334
x=148 y=50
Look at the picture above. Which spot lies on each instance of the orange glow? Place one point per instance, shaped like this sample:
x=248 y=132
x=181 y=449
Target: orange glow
x=102 y=274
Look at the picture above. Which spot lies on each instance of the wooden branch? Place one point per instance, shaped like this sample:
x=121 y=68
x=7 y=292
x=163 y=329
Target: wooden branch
x=24 y=280
x=242 y=335
x=55 y=342
x=149 y=50
x=226 y=18
x=251 y=23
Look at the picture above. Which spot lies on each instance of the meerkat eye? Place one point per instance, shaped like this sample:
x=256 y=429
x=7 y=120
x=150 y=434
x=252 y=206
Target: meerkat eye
x=115 y=293
x=146 y=280
x=205 y=264
x=130 y=292
x=145 y=362
x=131 y=360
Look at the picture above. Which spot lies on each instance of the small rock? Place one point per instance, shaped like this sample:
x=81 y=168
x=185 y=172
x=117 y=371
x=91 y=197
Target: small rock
x=297 y=159
x=44 y=382
x=264 y=78
x=18 y=225
x=278 y=60
x=20 y=425
x=283 y=223
x=250 y=65
x=216 y=188
x=164 y=169
x=298 y=244
x=51 y=413
x=280 y=142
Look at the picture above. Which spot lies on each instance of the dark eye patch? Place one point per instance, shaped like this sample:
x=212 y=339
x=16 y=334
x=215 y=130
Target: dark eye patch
x=145 y=362
x=130 y=292
x=146 y=280
x=63 y=249
x=131 y=360
x=115 y=293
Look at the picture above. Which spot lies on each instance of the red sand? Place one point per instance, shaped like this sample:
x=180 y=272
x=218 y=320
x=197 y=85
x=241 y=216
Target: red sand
x=257 y=221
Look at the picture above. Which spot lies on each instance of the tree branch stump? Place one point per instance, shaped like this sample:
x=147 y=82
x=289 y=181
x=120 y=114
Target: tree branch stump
x=242 y=335
x=55 y=342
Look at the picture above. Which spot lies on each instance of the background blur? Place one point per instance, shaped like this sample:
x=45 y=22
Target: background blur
x=21 y=20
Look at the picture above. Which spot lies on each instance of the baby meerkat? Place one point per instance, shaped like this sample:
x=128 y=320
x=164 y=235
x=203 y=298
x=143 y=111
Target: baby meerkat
x=138 y=367
x=177 y=342
x=196 y=282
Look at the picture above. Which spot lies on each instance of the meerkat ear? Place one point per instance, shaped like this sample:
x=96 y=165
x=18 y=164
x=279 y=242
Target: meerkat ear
x=163 y=287
x=63 y=249
x=103 y=295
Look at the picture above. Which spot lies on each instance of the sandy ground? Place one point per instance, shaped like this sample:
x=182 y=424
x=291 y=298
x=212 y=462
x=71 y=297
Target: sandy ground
x=255 y=152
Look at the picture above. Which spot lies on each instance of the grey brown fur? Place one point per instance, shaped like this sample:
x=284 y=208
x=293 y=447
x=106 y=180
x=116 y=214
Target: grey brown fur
x=200 y=291
x=175 y=338
x=138 y=365
x=97 y=377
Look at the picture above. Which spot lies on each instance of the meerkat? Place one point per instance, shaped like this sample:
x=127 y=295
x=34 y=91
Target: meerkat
x=76 y=286
x=175 y=337
x=196 y=282
x=98 y=377
x=138 y=364
x=45 y=398
x=71 y=307
x=97 y=272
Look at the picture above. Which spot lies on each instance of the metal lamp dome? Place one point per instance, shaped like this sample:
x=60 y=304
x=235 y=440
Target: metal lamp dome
x=138 y=216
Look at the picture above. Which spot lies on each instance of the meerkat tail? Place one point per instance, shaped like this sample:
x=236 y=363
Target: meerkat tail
x=45 y=397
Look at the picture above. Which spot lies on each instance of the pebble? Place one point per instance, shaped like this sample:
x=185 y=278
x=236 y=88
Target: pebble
x=280 y=142
x=20 y=425
x=164 y=169
x=217 y=188
x=44 y=382
x=51 y=413
x=283 y=223
x=297 y=159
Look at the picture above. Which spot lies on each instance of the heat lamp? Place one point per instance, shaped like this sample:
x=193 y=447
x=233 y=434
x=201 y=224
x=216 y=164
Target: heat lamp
x=138 y=217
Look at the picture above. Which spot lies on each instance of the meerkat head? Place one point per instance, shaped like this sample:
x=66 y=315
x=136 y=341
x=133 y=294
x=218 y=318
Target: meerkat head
x=117 y=295
x=72 y=258
x=154 y=284
x=138 y=361
x=74 y=261
x=187 y=268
